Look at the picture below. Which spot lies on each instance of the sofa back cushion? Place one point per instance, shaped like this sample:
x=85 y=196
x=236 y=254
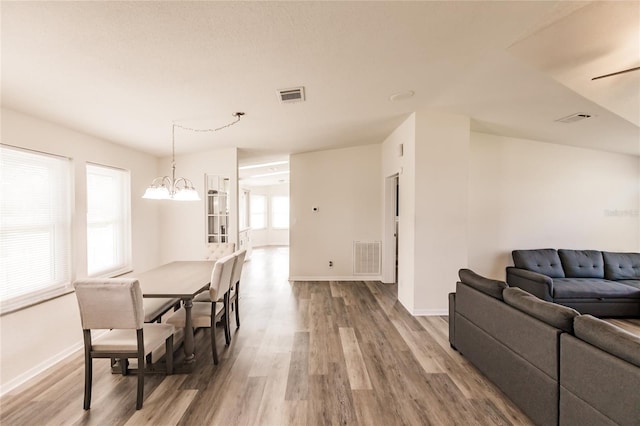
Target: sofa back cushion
x=582 y=263
x=608 y=337
x=488 y=286
x=543 y=261
x=558 y=316
x=621 y=266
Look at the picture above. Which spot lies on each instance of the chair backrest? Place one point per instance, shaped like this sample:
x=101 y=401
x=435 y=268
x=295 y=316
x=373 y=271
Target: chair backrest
x=216 y=251
x=221 y=276
x=237 y=267
x=107 y=303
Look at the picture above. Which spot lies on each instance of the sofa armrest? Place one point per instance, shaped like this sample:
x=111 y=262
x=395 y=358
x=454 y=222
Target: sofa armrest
x=537 y=284
x=452 y=316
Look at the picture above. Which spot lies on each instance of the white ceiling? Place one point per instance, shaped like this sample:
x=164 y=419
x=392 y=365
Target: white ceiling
x=124 y=71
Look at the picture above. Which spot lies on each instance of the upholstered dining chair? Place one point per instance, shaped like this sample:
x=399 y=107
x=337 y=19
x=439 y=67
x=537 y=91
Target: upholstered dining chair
x=208 y=314
x=115 y=304
x=234 y=286
x=217 y=250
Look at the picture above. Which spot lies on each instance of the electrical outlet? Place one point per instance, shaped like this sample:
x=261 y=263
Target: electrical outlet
x=331 y=264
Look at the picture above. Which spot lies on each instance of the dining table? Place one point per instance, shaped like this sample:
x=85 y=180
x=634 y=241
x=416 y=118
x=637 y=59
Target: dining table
x=178 y=280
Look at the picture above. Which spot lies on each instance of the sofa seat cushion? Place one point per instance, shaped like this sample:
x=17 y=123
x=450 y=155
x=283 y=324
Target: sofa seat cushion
x=621 y=266
x=553 y=314
x=543 y=261
x=488 y=286
x=582 y=263
x=632 y=283
x=608 y=337
x=592 y=288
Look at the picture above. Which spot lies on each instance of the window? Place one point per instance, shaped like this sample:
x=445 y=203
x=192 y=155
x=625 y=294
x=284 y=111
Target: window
x=244 y=208
x=35 y=227
x=280 y=212
x=108 y=221
x=258 y=211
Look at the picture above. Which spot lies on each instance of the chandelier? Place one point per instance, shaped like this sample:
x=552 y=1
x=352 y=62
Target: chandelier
x=178 y=189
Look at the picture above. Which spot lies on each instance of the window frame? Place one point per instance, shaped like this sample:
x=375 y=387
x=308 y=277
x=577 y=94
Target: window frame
x=123 y=221
x=61 y=230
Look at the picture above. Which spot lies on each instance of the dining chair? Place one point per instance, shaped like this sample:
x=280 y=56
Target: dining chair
x=234 y=291
x=234 y=288
x=115 y=305
x=208 y=314
x=217 y=250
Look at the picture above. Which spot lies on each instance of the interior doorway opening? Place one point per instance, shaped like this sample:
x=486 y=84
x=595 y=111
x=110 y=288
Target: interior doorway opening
x=391 y=260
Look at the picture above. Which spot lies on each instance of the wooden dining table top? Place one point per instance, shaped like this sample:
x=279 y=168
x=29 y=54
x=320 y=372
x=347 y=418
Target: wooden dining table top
x=183 y=279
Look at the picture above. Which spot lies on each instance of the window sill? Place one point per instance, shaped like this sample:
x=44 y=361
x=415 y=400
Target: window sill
x=19 y=306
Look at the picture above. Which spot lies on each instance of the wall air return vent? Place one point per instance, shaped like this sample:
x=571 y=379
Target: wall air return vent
x=366 y=257
x=574 y=117
x=288 y=96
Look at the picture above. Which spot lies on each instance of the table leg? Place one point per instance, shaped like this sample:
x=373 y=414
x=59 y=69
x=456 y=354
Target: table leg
x=189 y=356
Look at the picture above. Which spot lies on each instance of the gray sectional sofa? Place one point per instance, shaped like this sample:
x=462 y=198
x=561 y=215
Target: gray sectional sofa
x=604 y=284
x=558 y=366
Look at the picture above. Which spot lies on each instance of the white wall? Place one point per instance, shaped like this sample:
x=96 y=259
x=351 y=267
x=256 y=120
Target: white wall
x=345 y=185
x=35 y=337
x=183 y=231
x=440 y=250
x=526 y=194
x=270 y=236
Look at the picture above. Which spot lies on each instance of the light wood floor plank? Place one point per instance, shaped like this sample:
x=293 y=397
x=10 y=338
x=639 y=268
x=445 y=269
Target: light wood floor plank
x=356 y=369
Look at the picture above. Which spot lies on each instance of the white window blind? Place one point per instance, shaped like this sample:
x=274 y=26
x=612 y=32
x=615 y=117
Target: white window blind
x=108 y=221
x=280 y=212
x=258 y=211
x=35 y=227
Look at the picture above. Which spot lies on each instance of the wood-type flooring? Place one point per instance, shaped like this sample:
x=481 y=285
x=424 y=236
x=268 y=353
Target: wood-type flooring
x=306 y=353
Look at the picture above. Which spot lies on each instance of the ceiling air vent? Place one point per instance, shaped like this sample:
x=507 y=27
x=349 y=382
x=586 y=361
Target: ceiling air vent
x=574 y=117
x=295 y=94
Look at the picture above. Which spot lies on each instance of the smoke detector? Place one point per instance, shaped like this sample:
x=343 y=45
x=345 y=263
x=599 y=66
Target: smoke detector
x=574 y=117
x=295 y=94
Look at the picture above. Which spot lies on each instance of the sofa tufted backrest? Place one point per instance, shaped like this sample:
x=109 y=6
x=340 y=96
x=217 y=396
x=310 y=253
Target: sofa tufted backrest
x=582 y=263
x=543 y=261
x=621 y=266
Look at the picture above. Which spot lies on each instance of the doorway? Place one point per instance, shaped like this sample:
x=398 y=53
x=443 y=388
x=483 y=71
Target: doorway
x=391 y=230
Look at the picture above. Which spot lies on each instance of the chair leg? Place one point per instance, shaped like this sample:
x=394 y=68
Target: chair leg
x=236 y=303
x=88 y=369
x=169 y=354
x=225 y=319
x=141 y=357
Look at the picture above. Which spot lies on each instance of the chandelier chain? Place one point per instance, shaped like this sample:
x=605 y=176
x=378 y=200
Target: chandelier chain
x=238 y=115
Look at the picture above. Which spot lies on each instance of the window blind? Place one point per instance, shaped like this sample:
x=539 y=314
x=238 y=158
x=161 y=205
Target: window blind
x=35 y=226
x=108 y=221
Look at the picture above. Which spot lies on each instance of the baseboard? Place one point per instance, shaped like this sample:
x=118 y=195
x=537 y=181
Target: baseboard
x=34 y=371
x=430 y=312
x=336 y=278
x=44 y=365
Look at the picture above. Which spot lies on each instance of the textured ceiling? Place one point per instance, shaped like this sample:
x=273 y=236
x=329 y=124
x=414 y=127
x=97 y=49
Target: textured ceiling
x=124 y=71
